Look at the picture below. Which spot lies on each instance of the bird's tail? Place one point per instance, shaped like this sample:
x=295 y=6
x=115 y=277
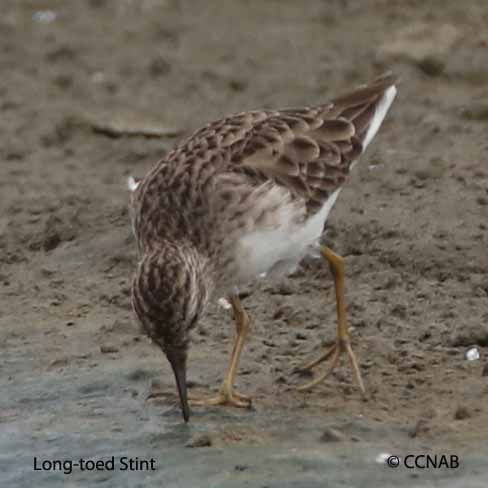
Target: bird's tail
x=367 y=106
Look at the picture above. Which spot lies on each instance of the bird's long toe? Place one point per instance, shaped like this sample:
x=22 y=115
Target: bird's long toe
x=323 y=357
x=225 y=397
x=335 y=352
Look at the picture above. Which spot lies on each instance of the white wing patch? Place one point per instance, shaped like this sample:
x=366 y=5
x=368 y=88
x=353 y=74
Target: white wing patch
x=379 y=115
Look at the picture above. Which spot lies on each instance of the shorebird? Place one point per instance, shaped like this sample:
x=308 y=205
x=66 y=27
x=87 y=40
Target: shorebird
x=244 y=197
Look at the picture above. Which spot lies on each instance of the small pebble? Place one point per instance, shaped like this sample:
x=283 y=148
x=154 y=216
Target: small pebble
x=284 y=289
x=200 y=440
x=421 y=427
x=332 y=435
x=59 y=363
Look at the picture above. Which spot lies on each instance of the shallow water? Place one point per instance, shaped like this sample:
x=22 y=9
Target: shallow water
x=96 y=419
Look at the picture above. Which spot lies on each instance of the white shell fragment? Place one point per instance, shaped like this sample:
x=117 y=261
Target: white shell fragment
x=132 y=183
x=224 y=303
x=472 y=354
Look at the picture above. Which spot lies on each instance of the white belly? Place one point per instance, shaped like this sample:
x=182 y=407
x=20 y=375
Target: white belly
x=280 y=249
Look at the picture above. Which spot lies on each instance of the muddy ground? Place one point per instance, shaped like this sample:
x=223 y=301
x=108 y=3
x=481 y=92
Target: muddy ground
x=412 y=224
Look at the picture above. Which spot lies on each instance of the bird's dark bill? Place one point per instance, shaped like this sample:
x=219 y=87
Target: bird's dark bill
x=178 y=363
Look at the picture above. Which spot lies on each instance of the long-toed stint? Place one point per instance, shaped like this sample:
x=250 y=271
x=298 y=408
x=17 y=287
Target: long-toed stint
x=243 y=197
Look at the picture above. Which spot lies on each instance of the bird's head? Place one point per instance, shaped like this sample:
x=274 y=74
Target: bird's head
x=170 y=291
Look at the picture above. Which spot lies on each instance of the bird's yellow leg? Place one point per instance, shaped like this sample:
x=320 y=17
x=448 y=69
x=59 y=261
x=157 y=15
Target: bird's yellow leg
x=227 y=395
x=342 y=343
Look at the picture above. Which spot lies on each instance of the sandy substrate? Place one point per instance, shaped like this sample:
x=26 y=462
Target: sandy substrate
x=412 y=224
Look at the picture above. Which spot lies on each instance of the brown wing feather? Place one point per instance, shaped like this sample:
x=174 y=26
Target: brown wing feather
x=309 y=150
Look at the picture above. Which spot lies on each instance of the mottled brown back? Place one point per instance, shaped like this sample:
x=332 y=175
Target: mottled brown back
x=307 y=151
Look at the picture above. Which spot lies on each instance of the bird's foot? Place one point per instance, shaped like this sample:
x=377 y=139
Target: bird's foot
x=342 y=345
x=225 y=397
